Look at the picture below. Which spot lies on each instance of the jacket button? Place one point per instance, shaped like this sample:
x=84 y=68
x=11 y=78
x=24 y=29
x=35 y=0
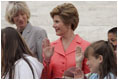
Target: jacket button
x=62 y=70
x=62 y=62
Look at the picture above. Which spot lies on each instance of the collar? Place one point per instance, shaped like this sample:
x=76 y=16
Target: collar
x=59 y=47
x=77 y=39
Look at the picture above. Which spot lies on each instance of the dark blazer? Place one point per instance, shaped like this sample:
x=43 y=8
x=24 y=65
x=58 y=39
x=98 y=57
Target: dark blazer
x=33 y=37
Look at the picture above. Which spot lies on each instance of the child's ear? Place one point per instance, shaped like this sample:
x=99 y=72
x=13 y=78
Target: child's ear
x=100 y=58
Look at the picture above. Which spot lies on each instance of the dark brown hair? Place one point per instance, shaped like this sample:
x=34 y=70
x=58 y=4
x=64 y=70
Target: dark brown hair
x=13 y=48
x=113 y=30
x=105 y=49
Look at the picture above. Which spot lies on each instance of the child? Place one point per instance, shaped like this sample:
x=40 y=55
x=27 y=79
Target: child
x=101 y=61
x=17 y=60
x=112 y=38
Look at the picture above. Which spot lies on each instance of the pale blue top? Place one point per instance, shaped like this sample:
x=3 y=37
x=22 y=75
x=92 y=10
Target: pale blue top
x=96 y=76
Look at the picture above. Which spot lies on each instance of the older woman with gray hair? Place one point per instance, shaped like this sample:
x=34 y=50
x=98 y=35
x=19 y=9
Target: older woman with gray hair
x=18 y=13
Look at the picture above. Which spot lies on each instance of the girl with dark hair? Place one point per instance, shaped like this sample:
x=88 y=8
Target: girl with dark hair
x=101 y=61
x=17 y=60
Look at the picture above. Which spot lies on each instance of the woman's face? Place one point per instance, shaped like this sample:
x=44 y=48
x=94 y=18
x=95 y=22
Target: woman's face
x=93 y=63
x=59 y=26
x=20 y=19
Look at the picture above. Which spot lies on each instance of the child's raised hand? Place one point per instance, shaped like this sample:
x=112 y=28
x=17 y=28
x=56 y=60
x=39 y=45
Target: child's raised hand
x=79 y=57
x=78 y=74
x=47 y=49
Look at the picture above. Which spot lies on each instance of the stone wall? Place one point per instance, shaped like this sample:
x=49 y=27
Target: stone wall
x=96 y=17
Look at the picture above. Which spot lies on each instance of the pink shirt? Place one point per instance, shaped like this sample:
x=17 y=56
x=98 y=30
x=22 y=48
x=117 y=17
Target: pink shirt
x=61 y=60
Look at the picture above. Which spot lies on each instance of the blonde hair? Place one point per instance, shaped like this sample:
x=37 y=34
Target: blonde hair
x=68 y=13
x=13 y=8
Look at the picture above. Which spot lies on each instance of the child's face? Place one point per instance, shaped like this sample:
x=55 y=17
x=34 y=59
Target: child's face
x=112 y=38
x=93 y=63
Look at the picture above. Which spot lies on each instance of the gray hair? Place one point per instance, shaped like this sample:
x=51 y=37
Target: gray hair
x=14 y=7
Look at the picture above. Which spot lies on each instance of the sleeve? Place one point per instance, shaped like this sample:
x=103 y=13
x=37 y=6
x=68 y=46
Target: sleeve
x=47 y=71
x=41 y=34
x=23 y=71
x=85 y=67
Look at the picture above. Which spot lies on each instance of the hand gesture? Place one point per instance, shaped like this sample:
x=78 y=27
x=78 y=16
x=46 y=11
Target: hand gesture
x=78 y=74
x=79 y=57
x=47 y=49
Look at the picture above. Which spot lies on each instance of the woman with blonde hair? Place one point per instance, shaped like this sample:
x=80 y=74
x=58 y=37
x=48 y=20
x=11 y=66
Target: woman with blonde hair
x=18 y=13
x=17 y=60
x=60 y=54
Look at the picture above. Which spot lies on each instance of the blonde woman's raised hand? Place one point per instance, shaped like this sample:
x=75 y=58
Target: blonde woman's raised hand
x=47 y=49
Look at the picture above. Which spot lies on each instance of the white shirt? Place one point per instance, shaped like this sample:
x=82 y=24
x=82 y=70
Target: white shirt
x=23 y=70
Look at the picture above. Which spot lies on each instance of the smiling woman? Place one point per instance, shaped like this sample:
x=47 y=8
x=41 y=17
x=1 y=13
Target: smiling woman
x=20 y=19
x=59 y=26
x=59 y=55
x=18 y=13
